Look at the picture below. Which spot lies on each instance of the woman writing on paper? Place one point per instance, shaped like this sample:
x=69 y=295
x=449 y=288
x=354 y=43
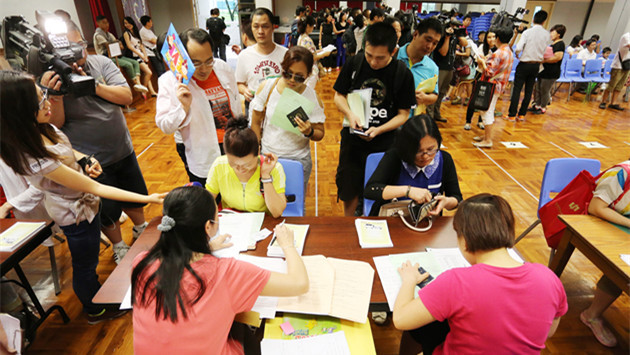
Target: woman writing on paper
x=184 y=298
x=415 y=168
x=246 y=180
x=295 y=145
x=305 y=28
x=496 y=306
x=611 y=201
x=36 y=149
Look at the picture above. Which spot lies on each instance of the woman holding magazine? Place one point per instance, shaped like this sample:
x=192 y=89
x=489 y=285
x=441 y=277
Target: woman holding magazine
x=296 y=68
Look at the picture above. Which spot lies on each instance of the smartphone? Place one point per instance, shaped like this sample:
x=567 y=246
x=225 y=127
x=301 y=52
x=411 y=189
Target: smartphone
x=425 y=281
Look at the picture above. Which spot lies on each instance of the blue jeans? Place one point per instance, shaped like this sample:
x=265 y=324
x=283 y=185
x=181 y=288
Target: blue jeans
x=84 y=244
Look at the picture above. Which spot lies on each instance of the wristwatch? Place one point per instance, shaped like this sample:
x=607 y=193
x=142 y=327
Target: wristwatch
x=265 y=181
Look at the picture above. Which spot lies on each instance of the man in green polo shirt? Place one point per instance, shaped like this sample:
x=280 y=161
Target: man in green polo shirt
x=415 y=55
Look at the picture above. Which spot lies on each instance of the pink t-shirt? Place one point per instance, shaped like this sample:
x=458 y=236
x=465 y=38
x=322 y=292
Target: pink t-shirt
x=232 y=287
x=493 y=310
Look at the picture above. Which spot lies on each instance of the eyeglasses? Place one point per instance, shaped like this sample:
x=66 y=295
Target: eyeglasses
x=208 y=63
x=429 y=153
x=296 y=77
x=44 y=98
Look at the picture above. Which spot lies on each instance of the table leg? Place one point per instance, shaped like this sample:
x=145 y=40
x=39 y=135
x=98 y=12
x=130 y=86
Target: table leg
x=38 y=306
x=563 y=254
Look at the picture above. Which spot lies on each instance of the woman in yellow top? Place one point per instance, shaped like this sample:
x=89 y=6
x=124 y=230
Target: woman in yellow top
x=246 y=180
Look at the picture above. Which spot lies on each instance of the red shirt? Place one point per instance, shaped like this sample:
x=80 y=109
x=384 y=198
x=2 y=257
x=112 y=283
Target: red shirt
x=219 y=102
x=232 y=287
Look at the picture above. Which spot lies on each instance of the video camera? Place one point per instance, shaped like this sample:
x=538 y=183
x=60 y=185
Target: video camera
x=27 y=48
x=448 y=22
x=504 y=19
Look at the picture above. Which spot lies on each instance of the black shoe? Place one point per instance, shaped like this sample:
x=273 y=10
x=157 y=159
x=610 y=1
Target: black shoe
x=105 y=315
x=539 y=111
x=440 y=119
x=616 y=107
x=532 y=109
x=602 y=105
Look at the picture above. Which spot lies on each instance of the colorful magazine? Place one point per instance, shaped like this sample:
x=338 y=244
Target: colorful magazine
x=176 y=57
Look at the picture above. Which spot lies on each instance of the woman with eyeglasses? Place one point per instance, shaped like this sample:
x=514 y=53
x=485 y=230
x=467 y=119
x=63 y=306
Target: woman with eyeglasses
x=37 y=150
x=246 y=180
x=199 y=111
x=185 y=299
x=415 y=168
x=296 y=68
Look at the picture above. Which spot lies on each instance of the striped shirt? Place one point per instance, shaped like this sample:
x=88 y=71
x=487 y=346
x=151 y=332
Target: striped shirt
x=613 y=184
x=498 y=68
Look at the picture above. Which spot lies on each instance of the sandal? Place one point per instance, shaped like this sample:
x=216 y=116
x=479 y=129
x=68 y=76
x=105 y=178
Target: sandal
x=379 y=317
x=604 y=335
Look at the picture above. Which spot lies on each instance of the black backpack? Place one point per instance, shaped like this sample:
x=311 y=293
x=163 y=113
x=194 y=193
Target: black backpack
x=214 y=27
x=349 y=40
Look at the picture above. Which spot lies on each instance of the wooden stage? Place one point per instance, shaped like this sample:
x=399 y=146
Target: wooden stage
x=515 y=174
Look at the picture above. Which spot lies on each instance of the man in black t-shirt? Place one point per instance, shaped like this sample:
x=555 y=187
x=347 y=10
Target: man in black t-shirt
x=216 y=27
x=393 y=95
x=444 y=57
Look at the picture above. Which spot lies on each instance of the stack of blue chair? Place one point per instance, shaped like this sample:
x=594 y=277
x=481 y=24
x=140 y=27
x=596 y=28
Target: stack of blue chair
x=481 y=23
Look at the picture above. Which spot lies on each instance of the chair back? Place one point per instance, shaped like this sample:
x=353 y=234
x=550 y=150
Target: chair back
x=573 y=69
x=607 y=69
x=294 y=190
x=370 y=165
x=515 y=62
x=559 y=173
x=593 y=69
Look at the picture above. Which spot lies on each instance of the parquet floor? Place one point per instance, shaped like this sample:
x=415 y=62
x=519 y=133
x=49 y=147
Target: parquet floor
x=513 y=173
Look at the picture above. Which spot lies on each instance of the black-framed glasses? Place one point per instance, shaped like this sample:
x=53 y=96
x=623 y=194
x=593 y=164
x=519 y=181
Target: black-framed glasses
x=44 y=98
x=430 y=152
x=296 y=77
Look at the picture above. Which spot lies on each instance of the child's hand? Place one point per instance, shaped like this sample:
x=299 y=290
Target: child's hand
x=409 y=273
x=284 y=236
x=221 y=242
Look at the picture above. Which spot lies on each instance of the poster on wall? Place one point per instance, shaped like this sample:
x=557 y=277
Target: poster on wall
x=135 y=9
x=176 y=57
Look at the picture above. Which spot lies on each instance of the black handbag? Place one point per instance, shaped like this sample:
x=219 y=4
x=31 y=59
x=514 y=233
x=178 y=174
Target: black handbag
x=625 y=64
x=482 y=94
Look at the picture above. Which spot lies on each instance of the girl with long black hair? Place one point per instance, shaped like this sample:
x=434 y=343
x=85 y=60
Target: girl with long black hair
x=185 y=299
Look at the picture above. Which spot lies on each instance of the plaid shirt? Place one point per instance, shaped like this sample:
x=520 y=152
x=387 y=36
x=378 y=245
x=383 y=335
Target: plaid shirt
x=499 y=64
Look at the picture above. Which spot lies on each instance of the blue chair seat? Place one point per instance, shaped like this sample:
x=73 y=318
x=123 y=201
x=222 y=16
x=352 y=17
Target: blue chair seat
x=294 y=190
x=370 y=165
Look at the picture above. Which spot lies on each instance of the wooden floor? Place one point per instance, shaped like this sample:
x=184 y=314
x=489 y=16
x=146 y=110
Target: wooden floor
x=513 y=173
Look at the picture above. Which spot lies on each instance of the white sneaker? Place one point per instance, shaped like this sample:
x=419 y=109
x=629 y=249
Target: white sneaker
x=137 y=230
x=120 y=252
x=140 y=88
x=467 y=126
x=123 y=218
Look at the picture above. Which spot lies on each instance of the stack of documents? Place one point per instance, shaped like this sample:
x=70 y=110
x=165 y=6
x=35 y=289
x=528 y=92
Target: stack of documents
x=359 y=102
x=330 y=344
x=435 y=261
x=373 y=233
x=18 y=233
x=339 y=288
x=243 y=229
x=299 y=237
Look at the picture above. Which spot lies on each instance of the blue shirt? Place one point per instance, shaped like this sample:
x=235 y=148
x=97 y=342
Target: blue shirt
x=422 y=70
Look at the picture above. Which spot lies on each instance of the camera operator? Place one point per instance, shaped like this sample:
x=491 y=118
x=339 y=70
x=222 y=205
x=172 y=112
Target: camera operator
x=444 y=57
x=96 y=126
x=531 y=48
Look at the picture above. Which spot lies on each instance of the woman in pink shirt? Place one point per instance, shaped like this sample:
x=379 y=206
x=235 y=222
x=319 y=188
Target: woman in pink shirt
x=185 y=299
x=496 y=306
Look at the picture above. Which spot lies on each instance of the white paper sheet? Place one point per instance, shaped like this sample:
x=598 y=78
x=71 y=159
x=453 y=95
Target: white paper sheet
x=387 y=273
x=625 y=257
x=242 y=227
x=126 y=302
x=11 y=326
x=329 y=344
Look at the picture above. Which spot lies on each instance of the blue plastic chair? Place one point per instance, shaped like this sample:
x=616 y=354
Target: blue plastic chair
x=573 y=73
x=513 y=69
x=370 y=165
x=593 y=73
x=558 y=174
x=294 y=190
x=563 y=67
x=606 y=71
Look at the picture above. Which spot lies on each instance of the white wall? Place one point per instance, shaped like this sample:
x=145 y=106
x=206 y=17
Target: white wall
x=599 y=19
x=285 y=9
x=163 y=12
x=571 y=15
x=27 y=8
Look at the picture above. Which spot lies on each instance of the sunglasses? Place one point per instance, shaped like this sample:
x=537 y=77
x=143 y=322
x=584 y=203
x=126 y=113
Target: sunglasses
x=296 y=77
